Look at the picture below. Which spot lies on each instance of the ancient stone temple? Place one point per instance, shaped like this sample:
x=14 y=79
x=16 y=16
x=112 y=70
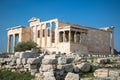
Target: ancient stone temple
x=58 y=36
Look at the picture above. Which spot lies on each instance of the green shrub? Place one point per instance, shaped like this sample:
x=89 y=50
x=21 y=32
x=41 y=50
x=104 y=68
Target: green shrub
x=22 y=46
x=8 y=75
x=86 y=75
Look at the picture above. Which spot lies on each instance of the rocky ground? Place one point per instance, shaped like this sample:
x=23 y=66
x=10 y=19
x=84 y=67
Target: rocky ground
x=64 y=66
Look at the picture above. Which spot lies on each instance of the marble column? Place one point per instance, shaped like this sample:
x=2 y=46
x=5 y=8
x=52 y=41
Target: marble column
x=75 y=37
x=36 y=34
x=20 y=38
x=112 y=43
x=45 y=33
x=14 y=42
x=69 y=36
x=8 y=44
x=50 y=34
x=40 y=35
x=63 y=36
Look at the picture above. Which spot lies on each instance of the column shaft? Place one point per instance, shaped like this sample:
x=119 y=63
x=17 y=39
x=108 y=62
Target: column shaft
x=112 y=47
x=64 y=36
x=36 y=34
x=50 y=35
x=41 y=36
x=45 y=33
x=8 y=44
x=75 y=37
x=69 y=36
x=14 y=42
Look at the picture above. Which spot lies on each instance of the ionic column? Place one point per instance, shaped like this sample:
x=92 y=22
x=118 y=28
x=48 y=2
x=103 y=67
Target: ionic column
x=75 y=37
x=63 y=36
x=69 y=36
x=32 y=36
x=45 y=33
x=36 y=34
x=8 y=44
x=20 y=37
x=112 y=46
x=14 y=42
x=40 y=35
x=86 y=39
x=50 y=34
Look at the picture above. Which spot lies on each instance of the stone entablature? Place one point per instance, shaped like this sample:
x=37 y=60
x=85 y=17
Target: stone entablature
x=55 y=35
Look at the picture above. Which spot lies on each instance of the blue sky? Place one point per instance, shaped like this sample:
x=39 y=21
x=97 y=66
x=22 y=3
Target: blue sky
x=92 y=13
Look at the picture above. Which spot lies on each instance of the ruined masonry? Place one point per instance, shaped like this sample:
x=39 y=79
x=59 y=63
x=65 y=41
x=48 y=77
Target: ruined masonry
x=63 y=37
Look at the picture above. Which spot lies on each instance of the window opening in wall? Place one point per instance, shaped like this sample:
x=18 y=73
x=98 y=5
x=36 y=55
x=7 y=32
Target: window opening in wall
x=38 y=33
x=53 y=26
x=43 y=33
x=48 y=25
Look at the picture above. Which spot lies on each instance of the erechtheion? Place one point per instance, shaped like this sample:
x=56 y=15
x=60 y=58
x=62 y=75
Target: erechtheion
x=58 y=36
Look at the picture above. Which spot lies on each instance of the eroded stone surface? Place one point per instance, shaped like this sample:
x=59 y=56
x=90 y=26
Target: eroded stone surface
x=101 y=73
x=72 y=76
x=84 y=67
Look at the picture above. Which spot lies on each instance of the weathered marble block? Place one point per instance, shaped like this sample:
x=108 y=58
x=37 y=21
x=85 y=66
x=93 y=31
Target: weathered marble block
x=46 y=68
x=24 y=61
x=27 y=55
x=103 y=60
x=33 y=60
x=68 y=67
x=17 y=54
x=84 y=67
x=72 y=76
x=101 y=73
x=54 y=56
x=19 y=61
x=33 y=66
x=76 y=69
x=60 y=67
x=62 y=60
x=69 y=59
x=114 y=73
x=49 y=61
x=49 y=76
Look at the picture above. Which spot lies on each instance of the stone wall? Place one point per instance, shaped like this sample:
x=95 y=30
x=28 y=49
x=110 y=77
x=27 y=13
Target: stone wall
x=98 y=41
x=26 y=34
x=78 y=48
x=64 y=66
x=64 y=47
